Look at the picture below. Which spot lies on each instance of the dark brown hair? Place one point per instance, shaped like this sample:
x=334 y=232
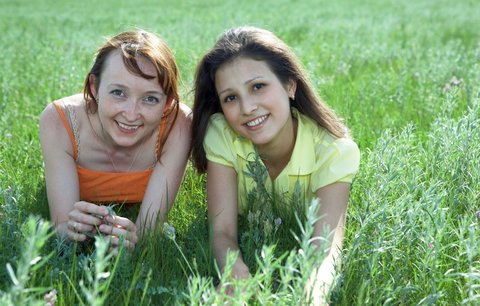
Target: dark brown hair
x=132 y=45
x=261 y=45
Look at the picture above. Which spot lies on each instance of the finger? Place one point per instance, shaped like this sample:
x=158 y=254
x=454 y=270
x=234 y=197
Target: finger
x=86 y=219
x=122 y=222
x=118 y=231
x=229 y=290
x=116 y=241
x=113 y=251
x=112 y=230
x=91 y=208
x=73 y=225
x=76 y=236
x=80 y=226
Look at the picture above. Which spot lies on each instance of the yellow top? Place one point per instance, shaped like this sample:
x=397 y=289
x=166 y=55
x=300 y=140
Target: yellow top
x=318 y=158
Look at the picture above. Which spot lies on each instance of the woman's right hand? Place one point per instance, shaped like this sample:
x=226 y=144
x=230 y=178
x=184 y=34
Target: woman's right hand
x=84 y=220
x=239 y=271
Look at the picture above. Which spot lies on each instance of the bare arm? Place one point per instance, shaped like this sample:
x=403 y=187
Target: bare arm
x=70 y=216
x=332 y=212
x=167 y=174
x=222 y=215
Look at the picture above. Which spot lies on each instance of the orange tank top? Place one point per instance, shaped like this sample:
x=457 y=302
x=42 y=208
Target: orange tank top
x=110 y=187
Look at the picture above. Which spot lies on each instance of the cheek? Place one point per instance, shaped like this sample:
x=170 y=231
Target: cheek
x=230 y=114
x=105 y=110
x=154 y=116
x=101 y=108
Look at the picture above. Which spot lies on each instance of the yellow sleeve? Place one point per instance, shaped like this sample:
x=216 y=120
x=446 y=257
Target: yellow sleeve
x=218 y=143
x=338 y=161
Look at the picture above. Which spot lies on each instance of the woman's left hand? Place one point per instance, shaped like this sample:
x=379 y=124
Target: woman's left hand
x=118 y=228
x=318 y=286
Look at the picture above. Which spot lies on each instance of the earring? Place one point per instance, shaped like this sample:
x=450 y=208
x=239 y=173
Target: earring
x=293 y=97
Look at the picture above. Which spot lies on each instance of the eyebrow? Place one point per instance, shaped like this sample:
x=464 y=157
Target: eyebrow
x=244 y=83
x=149 y=92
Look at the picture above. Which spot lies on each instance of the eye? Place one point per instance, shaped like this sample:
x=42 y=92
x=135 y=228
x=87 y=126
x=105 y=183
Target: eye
x=117 y=93
x=229 y=98
x=151 y=100
x=258 y=86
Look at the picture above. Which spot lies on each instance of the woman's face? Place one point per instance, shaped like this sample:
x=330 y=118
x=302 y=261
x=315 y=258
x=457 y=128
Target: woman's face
x=130 y=107
x=255 y=102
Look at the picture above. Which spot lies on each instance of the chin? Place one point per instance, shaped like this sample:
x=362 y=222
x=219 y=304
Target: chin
x=260 y=142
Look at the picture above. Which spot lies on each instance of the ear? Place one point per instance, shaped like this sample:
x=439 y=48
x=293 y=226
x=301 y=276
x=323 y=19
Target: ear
x=93 y=82
x=291 y=88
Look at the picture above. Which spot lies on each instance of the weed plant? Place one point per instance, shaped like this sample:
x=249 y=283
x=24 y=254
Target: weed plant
x=413 y=236
x=269 y=218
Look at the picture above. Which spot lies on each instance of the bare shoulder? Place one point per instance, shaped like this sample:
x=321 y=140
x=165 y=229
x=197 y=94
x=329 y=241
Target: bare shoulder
x=76 y=101
x=183 y=122
x=180 y=135
x=185 y=114
x=50 y=116
x=49 y=119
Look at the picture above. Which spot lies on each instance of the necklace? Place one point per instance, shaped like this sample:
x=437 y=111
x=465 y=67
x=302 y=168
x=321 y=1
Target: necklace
x=100 y=140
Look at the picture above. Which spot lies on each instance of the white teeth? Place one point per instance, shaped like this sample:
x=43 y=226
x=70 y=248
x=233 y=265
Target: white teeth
x=128 y=127
x=256 y=121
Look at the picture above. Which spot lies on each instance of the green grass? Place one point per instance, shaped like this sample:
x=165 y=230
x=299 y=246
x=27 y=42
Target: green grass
x=387 y=67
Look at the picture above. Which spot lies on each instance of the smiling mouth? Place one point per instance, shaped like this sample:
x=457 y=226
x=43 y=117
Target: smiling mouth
x=130 y=128
x=256 y=121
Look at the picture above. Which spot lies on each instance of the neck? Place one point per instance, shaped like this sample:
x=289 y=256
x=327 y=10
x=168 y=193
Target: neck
x=276 y=155
x=122 y=159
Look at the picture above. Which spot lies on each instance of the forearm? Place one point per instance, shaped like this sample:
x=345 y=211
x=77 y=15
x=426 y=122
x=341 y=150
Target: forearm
x=148 y=217
x=159 y=197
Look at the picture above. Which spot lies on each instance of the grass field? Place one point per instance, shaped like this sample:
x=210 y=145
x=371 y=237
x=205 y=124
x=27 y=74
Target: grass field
x=405 y=76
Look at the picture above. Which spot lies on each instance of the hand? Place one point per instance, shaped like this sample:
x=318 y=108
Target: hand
x=234 y=288
x=239 y=271
x=84 y=220
x=318 y=285
x=117 y=228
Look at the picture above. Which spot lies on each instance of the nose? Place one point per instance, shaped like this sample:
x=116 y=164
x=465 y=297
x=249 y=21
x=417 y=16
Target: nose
x=248 y=105
x=130 y=111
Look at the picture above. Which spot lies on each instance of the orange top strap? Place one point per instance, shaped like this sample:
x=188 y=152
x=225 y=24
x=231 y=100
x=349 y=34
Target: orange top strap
x=69 y=129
